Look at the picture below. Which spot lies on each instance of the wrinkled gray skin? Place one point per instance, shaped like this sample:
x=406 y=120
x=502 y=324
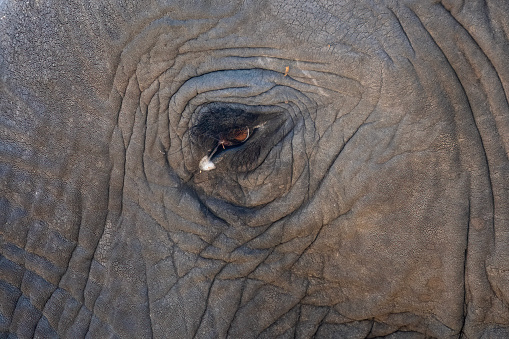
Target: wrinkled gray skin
x=379 y=208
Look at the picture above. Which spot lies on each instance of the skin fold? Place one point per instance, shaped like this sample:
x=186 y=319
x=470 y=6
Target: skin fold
x=244 y=169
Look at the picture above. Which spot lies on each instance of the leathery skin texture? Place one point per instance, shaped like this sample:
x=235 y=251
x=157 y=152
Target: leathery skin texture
x=245 y=169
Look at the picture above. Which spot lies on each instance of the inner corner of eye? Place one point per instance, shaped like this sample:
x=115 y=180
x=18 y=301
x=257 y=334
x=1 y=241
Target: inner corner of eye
x=206 y=164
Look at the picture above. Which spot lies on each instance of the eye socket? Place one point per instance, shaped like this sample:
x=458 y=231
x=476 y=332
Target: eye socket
x=222 y=133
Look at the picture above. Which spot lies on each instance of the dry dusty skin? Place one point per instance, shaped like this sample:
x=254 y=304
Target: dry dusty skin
x=242 y=169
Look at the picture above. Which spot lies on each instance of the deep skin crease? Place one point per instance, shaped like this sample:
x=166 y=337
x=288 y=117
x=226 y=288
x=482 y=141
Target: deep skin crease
x=244 y=169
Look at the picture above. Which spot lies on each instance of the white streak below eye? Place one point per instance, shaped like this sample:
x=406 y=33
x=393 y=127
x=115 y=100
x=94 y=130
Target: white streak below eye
x=206 y=164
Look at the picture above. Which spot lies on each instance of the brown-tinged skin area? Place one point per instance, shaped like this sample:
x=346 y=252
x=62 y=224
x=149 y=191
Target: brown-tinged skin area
x=245 y=169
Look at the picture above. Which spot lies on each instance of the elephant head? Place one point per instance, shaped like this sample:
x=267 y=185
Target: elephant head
x=240 y=169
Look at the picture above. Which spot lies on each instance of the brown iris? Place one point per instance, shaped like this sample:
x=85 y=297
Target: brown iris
x=234 y=137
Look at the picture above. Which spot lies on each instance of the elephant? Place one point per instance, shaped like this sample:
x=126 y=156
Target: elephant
x=245 y=169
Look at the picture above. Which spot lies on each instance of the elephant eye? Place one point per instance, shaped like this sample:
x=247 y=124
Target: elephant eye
x=234 y=136
x=231 y=138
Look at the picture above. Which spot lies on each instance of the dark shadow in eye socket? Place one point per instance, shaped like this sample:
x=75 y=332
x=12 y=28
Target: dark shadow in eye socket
x=225 y=126
x=221 y=128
